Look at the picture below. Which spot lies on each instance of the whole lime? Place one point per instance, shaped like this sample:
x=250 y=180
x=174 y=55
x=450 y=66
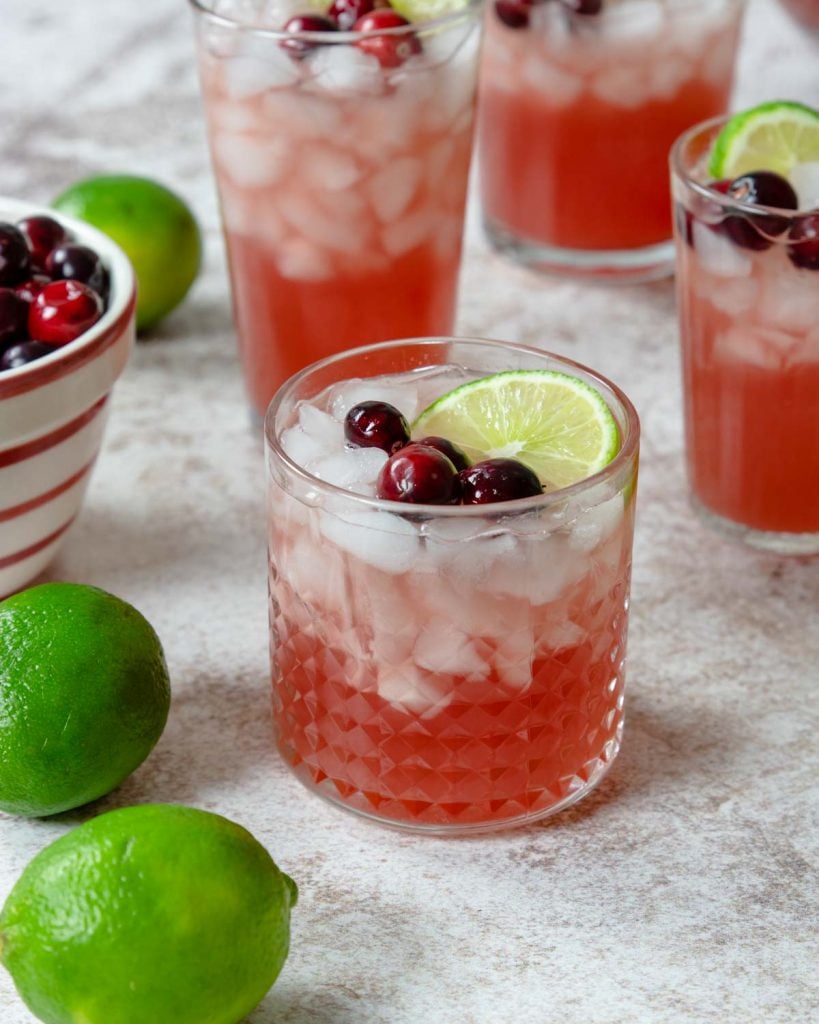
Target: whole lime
x=84 y=696
x=148 y=915
x=154 y=227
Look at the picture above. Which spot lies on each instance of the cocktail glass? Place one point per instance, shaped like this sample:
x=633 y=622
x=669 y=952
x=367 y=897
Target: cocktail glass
x=341 y=182
x=748 y=294
x=577 y=114
x=443 y=668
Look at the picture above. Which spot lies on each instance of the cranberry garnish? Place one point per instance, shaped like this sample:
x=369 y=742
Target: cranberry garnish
x=13 y=316
x=25 y=352
x=299 y=48
x=29 y=290
x=759 y=188
x=513 y=13
x=419 y=475
x=77 y=263
x=346 y=13
x=456 y=455
x=498 y=480
x=584 y=6
x=42 y=234
x=63 y=311
x=803 y=239
x=376 y=425
x=391 y=50
x=15 y=259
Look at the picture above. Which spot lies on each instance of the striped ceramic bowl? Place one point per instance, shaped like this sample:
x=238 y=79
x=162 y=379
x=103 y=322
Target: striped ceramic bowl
x=52 y=416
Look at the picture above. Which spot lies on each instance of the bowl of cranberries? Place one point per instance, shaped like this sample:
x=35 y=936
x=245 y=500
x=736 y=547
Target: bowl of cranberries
x=67 y=298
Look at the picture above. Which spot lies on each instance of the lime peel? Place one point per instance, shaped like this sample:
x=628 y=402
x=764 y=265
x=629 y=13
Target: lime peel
x=773 y=136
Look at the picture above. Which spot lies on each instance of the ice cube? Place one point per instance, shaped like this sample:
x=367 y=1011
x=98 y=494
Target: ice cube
x=638 y=22
x=668 y=75
x=246 y=76
x=446 y=650
x=412 y=688
x=805 y=180
x=552 y=23
x=355 y=469
x=301 y=260
x=788 y=300
x=734 y=297
x=559 y=86
x=455 y=96
x=621 y=85
x=761 y=347
x=386 y=541
x=327 y=167
x=303 y=449
x=295 y=114
x=404 y=235
x=249 y=161
x=542 y=568
x=513 y=656
x=393 y=188
x=595 y=524
x=321 y=426
x=718 y=254
x=341 y=68
x=234 y=117
x=556 y=634
x=323 y=228
x=438 y=160
x=349 y=393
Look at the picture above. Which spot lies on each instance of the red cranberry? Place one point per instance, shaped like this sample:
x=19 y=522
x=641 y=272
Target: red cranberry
x=24 y=352
x=456 y=455
x=346 y=13
x=77 y=263
x=298 y=47
x=392 y=48
x=498 y=480
x=29 y=290
x=13 y=316
x=63 y=311
x=803 y=242
x=419 y=475
x=42 y=235
x=376 y=425
x=15 y=259
x=584 y=6
x=513 y=13
x=759 y=188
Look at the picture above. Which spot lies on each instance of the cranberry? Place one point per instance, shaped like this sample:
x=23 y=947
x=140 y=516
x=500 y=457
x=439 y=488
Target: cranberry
x=376 y=425
x=63 y=311
x=298 y=48
x=29 y=289
x=15 y=259
x=42 y=235
x=759 y=188
x=346 y=13
x=803 y=239
x=456 y=455
x=13 y=316
x=391 y=49
x=25 y=352
x=498 y=480
x=77 y=263
x=513 y=13
x=419 y=475
x=584 y=6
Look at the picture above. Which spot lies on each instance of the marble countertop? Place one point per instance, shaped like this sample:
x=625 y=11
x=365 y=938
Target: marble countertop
x=684 y=889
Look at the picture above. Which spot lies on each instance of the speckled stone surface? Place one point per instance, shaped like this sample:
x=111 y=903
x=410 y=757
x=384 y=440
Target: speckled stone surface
x=684 y=889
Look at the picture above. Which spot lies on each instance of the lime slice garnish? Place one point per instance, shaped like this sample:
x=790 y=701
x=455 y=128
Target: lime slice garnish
x=427 y=10
x=774 y=136
x=556 y=424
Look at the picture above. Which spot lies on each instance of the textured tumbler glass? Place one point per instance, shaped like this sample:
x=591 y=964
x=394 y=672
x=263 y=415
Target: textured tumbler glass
x=443 y=668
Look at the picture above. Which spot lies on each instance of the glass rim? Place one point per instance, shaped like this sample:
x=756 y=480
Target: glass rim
x=540 y=502
x=684 y=176
x=203 y=7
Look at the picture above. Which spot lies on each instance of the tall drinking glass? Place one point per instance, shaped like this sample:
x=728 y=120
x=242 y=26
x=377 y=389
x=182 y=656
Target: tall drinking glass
x=442 y=668
x=748 y=294
x=577 y=115
x=341 y=161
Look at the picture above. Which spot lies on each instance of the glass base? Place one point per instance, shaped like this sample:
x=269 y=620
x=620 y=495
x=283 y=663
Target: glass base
x=762 y=540
x=358 y=804
x=617 y=266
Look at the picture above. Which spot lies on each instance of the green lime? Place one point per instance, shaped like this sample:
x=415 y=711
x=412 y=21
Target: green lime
x=154 y=227
x=427 y=10
x=774 y=136
x=84 y=696
x=556 y=424
x=148 y=915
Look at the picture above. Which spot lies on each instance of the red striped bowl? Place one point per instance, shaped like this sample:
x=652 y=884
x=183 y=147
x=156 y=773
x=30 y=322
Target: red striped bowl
x=52 y=416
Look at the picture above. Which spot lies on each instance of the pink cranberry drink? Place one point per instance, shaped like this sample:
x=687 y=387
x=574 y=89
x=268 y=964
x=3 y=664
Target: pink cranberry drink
x=748 y=290
x=440 y=666
x=580 y=103
x=341 y=160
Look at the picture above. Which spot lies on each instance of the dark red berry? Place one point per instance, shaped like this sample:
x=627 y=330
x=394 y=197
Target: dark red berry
x=298 y=47
x=376 y=425
x=29 y=289
x=15 y=259
x=759 y=188
x=803 y=241
x=392 y=47
x=63 y=311
x=513 y=13
x=419 y=475
x=584 y=6
x=77 y=263
x=13 y=316
x=42 y=235
x=497 y=480
x=346 y=13
x=456 y=455
x=24 y=352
